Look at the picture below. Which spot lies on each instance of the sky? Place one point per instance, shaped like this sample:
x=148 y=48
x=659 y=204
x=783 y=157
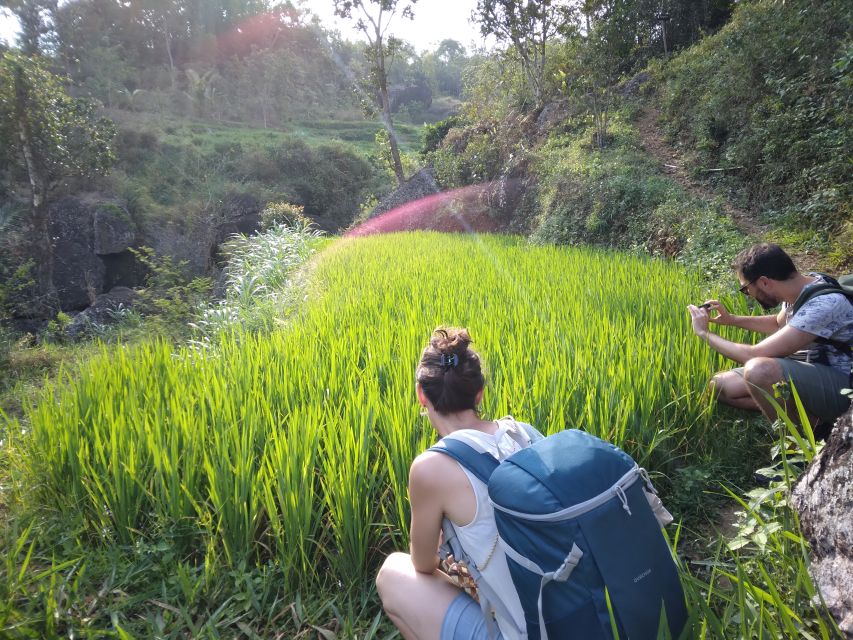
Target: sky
x=435 y=20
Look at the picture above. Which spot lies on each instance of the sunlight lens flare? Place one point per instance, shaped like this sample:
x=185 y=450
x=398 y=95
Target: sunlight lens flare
x=464 y=210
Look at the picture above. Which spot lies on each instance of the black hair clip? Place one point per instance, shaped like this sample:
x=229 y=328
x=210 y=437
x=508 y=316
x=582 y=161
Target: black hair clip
x=448 y=361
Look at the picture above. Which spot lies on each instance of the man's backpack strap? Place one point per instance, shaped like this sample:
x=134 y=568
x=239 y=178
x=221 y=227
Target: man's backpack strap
x=843 y=286
x=830 y=285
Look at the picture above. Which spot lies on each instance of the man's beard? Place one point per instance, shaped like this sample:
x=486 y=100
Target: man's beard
x=766 y=303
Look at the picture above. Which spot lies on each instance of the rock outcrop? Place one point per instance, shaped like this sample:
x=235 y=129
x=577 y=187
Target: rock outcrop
x=104 y=311
x=823 y=496
x=240 y=213
x=114 y=230
x=419 y=186
x=93 y=235
x=78 y=273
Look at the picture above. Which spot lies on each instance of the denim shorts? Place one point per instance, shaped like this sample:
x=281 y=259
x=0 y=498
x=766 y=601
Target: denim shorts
x=464 y=620
x=818 y=386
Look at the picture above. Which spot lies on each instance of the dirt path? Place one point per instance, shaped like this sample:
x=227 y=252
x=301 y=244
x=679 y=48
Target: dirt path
x=673 y=164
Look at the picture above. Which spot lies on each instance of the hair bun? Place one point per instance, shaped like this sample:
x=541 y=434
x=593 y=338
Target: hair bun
x=449 y=371
x=451 y=341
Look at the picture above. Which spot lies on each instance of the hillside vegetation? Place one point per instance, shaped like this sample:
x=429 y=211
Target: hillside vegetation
x=759 y=113
x=770 y=97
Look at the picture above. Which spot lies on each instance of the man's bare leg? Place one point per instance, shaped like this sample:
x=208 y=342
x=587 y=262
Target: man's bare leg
x=760 y=375
x=729 y=387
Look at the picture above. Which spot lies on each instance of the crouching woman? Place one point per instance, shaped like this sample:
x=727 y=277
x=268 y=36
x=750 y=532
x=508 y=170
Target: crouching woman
x=422 y=600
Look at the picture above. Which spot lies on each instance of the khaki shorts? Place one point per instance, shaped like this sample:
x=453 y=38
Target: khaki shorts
x=819 y=387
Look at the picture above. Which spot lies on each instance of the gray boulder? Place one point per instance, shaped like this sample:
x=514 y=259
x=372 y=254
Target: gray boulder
x=104 y=311
x=240 y=213
x=632 y=87
x=420 y=185
x=114 y=230
x=823 y=496
x=551 y=115
x=185 y=241
x=78 y=273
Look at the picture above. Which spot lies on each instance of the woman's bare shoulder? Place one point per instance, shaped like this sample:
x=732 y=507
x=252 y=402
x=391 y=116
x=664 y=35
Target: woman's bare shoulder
x=436 y=470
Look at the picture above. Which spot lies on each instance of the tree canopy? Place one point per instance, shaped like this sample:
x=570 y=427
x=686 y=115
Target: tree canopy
x=50 y=135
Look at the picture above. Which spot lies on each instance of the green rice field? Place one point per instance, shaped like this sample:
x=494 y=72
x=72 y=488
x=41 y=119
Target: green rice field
x=291 y=449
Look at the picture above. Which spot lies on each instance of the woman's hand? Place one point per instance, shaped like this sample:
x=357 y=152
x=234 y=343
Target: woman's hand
x=459 y=576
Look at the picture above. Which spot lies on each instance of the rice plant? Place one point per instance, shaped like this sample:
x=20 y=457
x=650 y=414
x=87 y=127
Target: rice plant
x=293 y=447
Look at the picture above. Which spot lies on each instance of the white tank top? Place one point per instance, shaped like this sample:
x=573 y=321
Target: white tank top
x=479 y=538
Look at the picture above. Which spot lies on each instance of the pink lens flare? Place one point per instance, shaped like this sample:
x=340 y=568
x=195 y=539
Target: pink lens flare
x=462 y=210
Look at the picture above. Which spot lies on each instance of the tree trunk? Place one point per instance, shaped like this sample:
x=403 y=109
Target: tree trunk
x=389 y=126
x=168 y=35
x=40 y=217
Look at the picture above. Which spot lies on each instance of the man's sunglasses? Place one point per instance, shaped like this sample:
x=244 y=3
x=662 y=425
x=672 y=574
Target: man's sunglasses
x=743 y=288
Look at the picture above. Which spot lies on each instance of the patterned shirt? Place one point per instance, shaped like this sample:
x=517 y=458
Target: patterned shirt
x=828 y=316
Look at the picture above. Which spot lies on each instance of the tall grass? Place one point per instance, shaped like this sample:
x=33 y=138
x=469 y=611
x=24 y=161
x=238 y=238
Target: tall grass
x=259 y=279
x=757 y=584
x=294 y=447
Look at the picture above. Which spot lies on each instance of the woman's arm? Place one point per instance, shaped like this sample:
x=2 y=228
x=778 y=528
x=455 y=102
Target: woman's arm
x=426 y=492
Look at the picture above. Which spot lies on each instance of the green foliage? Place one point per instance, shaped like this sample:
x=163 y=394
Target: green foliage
x=386 y=158
x=372 y=18
x=445 y=67
x=757 y=584
x=16 y=283
x=528 y=27
x=433 y=134
x=587 y=71
x=55 y=331
x=770 y=93
x=261 y=277
x=171 y=292
x=277 y=214
x=493 y=88
x=161 y=175
x=617 y=197
x=65 y=134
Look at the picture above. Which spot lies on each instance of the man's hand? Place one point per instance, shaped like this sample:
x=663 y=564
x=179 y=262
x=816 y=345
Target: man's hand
x=723 y=316
x=699 y=318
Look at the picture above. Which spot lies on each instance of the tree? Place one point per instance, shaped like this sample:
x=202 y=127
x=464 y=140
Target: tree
x=528 y=25
x=372 y=18
x=53 y=136
x=444 y=67
x=35 y=18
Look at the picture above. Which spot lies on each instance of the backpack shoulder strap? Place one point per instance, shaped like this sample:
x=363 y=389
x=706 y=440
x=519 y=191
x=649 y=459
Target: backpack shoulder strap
x=480 y=463
x=831 y=285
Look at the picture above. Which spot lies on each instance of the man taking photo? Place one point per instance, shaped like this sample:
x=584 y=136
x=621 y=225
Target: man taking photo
x=808 y=343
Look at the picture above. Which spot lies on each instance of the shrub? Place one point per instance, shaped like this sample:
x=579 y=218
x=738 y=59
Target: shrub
x=277 y=214
x=259 y=275
x=770 y=93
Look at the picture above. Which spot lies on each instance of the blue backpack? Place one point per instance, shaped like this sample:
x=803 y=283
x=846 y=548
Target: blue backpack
x=583 y=545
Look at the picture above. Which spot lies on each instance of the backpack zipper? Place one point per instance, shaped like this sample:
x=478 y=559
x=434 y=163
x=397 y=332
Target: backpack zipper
x=582 y=507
